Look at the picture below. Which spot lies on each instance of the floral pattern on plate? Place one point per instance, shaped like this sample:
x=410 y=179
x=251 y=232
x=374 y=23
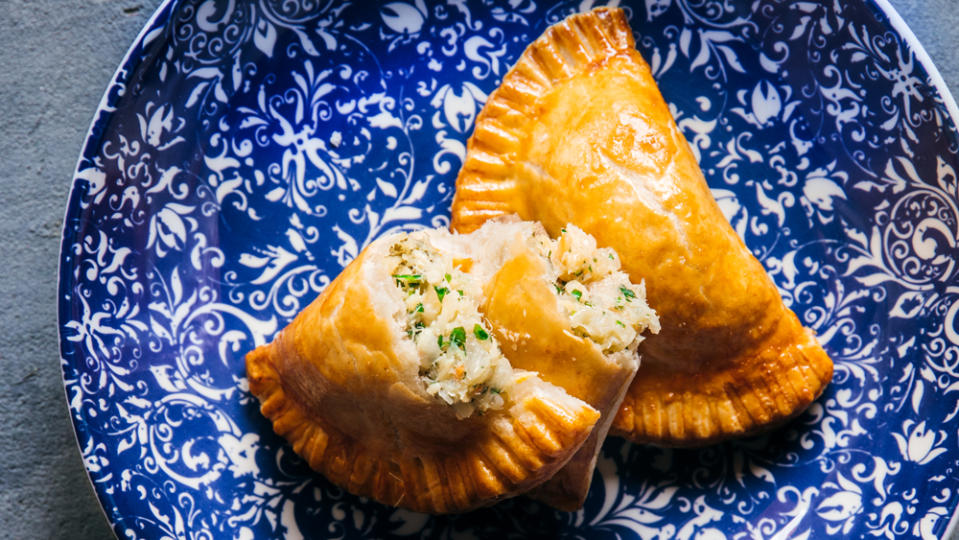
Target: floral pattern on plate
x=247 y=150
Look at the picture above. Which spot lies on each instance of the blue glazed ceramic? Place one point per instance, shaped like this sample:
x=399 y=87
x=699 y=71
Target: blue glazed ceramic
x=247 y=150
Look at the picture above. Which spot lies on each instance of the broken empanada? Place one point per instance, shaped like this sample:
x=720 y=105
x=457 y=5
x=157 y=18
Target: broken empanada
x=563 y=309
x=397 y=385
x=579 y=133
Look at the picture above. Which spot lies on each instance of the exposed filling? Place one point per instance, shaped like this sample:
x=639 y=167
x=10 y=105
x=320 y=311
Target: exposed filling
x=602 y=304
x=460 y=361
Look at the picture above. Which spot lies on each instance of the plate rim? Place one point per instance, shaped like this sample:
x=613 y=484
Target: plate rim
x=161 y=15
x=935 y=76
x=102 y=112
x=899 y=25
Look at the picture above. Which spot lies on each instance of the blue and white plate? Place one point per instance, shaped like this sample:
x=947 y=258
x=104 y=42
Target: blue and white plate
x=247 y=150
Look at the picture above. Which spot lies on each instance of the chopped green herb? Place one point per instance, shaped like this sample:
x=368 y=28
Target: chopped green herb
x=419 y=308
x=579 y=273
x=495 y=390
x=448 y=277
x=439 y=340
x=621 y=324
x=479 y=332
x=458 y=337
x=441 y=292
x=627 y=293
x=417 y=328
x=611 y=257
x=563 y=229
x=577 y=294
x=460 y=292
x=407 y=280
x=559 y=290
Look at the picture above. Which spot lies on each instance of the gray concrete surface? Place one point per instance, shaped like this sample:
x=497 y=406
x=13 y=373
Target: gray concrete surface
x=56 y=58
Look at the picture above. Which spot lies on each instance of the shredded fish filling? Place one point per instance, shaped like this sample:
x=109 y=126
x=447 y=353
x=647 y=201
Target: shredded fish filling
x=460 y=361
x=602 y=304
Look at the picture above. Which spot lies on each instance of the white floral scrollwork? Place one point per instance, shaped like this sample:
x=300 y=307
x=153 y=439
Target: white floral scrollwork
x=249 y=149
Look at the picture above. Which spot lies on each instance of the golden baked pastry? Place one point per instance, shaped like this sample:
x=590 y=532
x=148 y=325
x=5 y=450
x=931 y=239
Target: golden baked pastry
x=397 y=383
x=579 y=133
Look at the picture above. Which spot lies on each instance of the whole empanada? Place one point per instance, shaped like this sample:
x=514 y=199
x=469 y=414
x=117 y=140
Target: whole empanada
x=397 y=383
x=579 y=133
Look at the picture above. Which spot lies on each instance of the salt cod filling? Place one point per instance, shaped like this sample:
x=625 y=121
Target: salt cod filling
x=601 y=302
x=460 y=360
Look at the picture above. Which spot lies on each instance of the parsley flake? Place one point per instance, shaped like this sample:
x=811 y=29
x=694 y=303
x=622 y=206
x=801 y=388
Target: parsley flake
x=458 y=337
x=441 y=292
x=627 y=293
x=407 y=280
x=480 y=334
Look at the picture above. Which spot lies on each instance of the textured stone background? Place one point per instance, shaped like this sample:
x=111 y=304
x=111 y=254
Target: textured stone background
x=56 y=58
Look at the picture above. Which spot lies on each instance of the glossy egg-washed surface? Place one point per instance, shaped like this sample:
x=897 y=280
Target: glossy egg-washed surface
x=247 y=150
x=578 y=133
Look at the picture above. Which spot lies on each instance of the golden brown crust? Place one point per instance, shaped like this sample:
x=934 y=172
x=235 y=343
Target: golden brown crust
x=579 y=133
x=337 y=386
x=756 y=392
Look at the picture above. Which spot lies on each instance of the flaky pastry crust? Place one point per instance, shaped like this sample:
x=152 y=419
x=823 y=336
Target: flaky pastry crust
x=578 y=132
x=340 y=386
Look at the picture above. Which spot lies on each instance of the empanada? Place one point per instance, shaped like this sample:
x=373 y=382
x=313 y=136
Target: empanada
x=396 y=384
x=579 y=133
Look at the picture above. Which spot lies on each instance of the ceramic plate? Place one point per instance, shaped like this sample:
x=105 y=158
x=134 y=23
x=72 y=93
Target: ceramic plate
x=247 y=150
